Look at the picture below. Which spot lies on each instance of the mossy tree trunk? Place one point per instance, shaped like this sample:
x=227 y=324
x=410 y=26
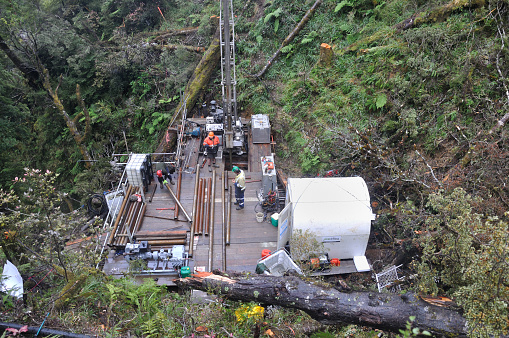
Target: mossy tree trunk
x=33 y=75
x=198 y=81
x=79 y=138
x=330 y=306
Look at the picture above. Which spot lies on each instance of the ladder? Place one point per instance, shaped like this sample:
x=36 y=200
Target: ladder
x=180 y=134
x=228 y=76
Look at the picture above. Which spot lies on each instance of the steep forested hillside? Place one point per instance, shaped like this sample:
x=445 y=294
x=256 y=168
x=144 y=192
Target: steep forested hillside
x=414 y=100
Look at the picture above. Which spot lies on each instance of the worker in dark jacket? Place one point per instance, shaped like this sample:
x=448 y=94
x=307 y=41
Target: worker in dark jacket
x=165 y=174
x=240 y=186
x=211 y=144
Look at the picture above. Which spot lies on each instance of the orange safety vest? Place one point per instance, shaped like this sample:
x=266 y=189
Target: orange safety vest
x=211 y=142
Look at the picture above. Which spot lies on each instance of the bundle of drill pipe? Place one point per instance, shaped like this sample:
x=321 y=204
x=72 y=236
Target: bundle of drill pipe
x=160 y=238
x=203 y=206
x=128 y=220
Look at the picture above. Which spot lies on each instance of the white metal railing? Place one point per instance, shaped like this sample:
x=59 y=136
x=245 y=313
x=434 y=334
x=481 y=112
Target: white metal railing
x=388 y=277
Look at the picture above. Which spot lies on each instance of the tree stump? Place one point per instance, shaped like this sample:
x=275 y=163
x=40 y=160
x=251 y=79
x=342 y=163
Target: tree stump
x=326 y=55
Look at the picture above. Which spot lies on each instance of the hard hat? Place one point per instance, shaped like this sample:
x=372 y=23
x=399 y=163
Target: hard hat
x=235 y=169
x=211 y=134
x=160 y=173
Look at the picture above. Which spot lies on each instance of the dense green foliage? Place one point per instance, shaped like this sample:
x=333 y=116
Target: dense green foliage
x=408 y=104
x=466 y=256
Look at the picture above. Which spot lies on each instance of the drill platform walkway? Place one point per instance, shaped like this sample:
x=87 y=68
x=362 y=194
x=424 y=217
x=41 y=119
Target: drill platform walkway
x=248 y=237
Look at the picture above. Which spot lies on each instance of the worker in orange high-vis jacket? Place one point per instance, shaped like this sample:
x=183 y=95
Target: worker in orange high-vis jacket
x=211 y=144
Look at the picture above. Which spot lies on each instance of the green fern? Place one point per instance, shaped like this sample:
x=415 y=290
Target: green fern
x=275 y=15
x=381 y=100
x=154 y=327
x=343 y=4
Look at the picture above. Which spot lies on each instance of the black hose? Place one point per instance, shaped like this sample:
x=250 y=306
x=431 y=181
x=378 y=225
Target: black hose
x=43 y=332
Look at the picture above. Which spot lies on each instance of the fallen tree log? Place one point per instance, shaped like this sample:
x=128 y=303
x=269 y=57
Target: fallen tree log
x=438 y=13
x=160 y=35
x=329 y=306
x=289 y=38
x=176 y=46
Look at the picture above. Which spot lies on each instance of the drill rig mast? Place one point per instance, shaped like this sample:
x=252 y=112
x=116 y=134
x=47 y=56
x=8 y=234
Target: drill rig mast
x=233 y=133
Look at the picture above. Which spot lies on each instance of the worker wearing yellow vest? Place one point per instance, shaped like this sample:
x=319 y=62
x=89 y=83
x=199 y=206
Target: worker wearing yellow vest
x=211 y=144
x=240 y=186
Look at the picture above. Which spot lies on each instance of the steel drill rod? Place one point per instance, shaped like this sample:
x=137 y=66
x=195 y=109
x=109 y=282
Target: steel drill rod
x=202 y=210
x=211 y=223
x=125 y=220
x=178 y=202
x=161 y=233
x=209 y=191
x=140 y=219
x=153 y=193
x=195 y=208
x=179 y=185
x=229 y=216
x=225 y=179
x=161 y=238
x=119 y=216
x=168 y=242
x=223 y=225
x=127 y=217
x=136 y=215
x=199 y=207
x=136 y=218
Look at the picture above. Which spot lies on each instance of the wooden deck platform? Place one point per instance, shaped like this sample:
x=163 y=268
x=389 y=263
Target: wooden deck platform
x=248 y=237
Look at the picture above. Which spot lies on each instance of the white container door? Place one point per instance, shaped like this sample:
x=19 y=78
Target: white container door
x=284 y=226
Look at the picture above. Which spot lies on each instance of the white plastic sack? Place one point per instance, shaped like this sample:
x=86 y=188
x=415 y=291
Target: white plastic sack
x=11 y=282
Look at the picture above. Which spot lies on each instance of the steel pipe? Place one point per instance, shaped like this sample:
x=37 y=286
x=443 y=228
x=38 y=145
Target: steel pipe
x=200 y=208
x=211 y=222
x=119 y=216
x=229 y=216
x=223 y=225
x=178 y=202
x=131 y=226
x=203 y=206
x=195 y=208
x=162 y=233
x=140 y=219
x=168 y=242
x=225 y=180
x=123 y=222
x=179 y=185
x=209 y=203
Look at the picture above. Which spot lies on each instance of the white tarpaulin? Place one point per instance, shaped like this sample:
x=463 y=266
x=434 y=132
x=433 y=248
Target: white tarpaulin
x=11 y=282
